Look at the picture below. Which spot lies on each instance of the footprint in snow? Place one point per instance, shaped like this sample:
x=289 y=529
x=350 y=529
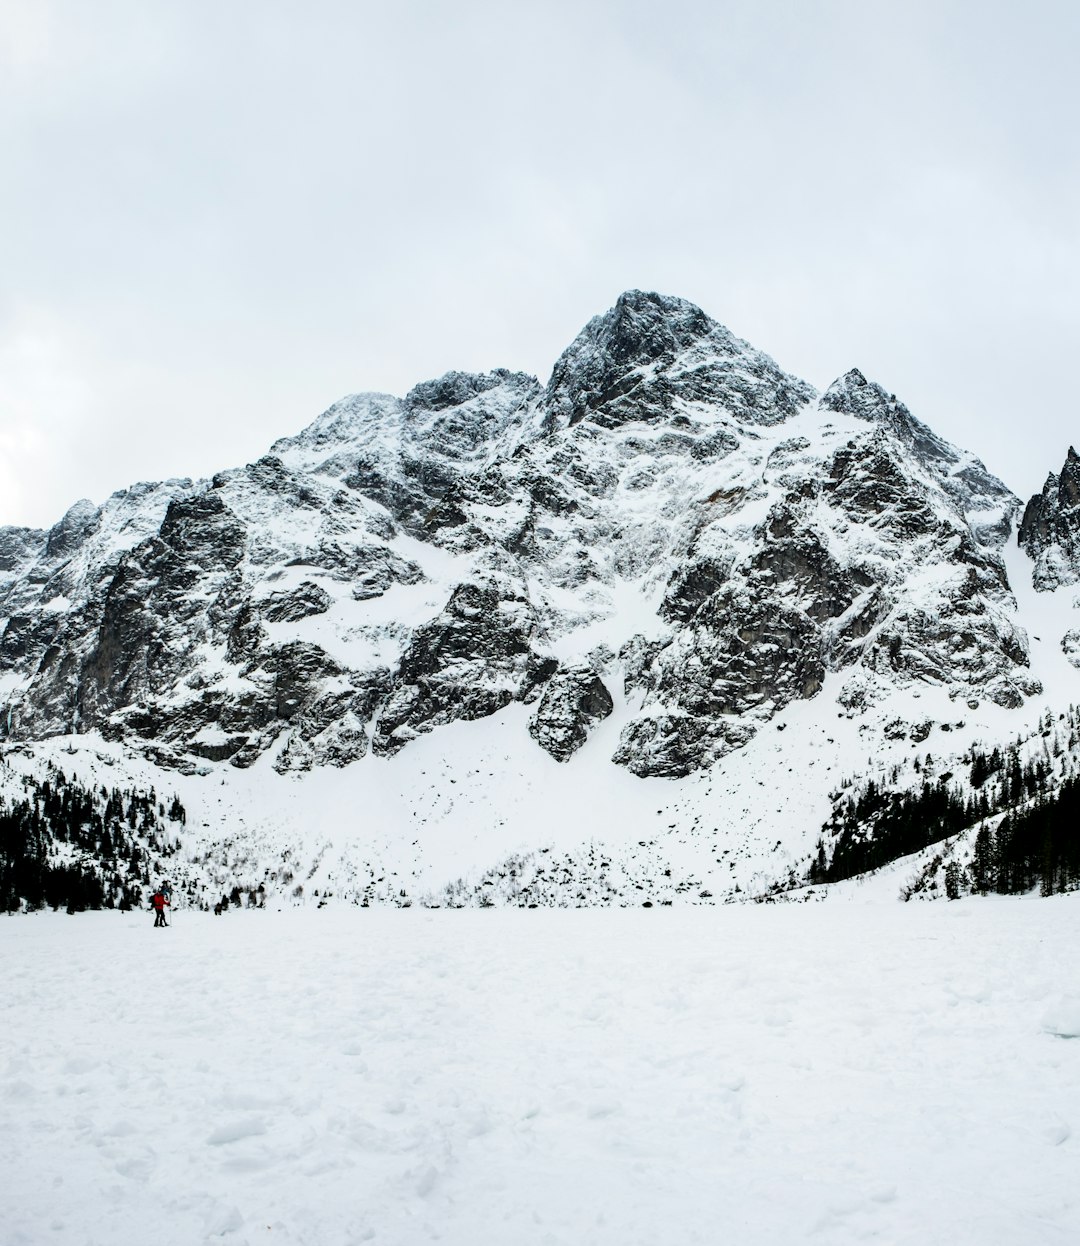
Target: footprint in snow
x=1063 y=1019
x=235 y=1131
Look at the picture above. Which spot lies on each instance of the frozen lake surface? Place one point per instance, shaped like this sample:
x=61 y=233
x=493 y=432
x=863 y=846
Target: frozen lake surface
x=837 y=1072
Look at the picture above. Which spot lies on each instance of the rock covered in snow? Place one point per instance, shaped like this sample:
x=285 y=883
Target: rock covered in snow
x=471 y=660
x=651 y=354
x=1050 y=529
x=573 y=700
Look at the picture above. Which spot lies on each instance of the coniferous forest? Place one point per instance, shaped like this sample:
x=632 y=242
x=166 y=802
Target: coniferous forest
x=66 y=845
x=1036 y=844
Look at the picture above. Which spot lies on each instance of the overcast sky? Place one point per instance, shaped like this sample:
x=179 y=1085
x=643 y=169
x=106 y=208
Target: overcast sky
x=217 y=218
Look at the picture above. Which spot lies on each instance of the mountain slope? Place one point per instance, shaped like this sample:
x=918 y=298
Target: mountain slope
x=646 y=560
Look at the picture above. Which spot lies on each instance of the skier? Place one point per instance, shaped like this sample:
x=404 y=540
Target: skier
x=159 y=901
x=166 y=891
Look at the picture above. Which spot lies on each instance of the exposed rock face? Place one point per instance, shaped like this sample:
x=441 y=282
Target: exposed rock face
x=412 y=454
x=472 y=660
x=19 y=547
x=1050 y=530
x=573 y=700
x=727 y=535
x=302 y=602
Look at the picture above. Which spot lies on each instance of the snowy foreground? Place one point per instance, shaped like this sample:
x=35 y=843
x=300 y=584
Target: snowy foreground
x=836 y=1072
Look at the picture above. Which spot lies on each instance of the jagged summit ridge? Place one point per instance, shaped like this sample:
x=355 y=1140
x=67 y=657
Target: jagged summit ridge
x=988 y=504
x=652 y=353
x=1050 y=529
x=673 y=538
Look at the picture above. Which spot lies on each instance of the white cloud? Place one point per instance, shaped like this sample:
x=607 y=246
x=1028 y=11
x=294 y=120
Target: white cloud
x=237 y=213
x=44 y=403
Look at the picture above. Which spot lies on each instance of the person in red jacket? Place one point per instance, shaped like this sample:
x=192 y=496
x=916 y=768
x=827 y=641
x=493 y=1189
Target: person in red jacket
x=159 y=901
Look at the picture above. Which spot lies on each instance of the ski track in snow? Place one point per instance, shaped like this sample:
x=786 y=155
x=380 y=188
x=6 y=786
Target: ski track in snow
x=750 y=1074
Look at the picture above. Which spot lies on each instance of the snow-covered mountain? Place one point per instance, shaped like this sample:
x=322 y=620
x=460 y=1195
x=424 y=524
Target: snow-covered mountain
x=548 y=598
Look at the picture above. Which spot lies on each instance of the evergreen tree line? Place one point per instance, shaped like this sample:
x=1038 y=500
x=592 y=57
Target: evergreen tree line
x=65 y=845
x=1038 y=846
x=1035 y=844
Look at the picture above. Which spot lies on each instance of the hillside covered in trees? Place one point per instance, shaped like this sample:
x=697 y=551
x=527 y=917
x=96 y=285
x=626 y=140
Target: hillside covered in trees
x=1007 y=820
x=67 y=845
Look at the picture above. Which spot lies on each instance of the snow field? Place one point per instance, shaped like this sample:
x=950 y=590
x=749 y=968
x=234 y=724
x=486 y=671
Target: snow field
x=834 y=1073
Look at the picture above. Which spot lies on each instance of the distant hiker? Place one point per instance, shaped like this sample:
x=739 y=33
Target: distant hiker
x=217 y=909
x=159 y=901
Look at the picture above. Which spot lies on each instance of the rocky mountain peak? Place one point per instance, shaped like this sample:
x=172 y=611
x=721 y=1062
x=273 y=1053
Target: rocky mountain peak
x=645 y=328
x=854 y=395
x=975 y=492
x=652 y=357
x=674 y=539
x=457 y=388
x=66 y=535
x=1050 y=529
x=340 y=428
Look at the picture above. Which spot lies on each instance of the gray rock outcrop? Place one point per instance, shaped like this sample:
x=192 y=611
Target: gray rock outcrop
x=1050 y=529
